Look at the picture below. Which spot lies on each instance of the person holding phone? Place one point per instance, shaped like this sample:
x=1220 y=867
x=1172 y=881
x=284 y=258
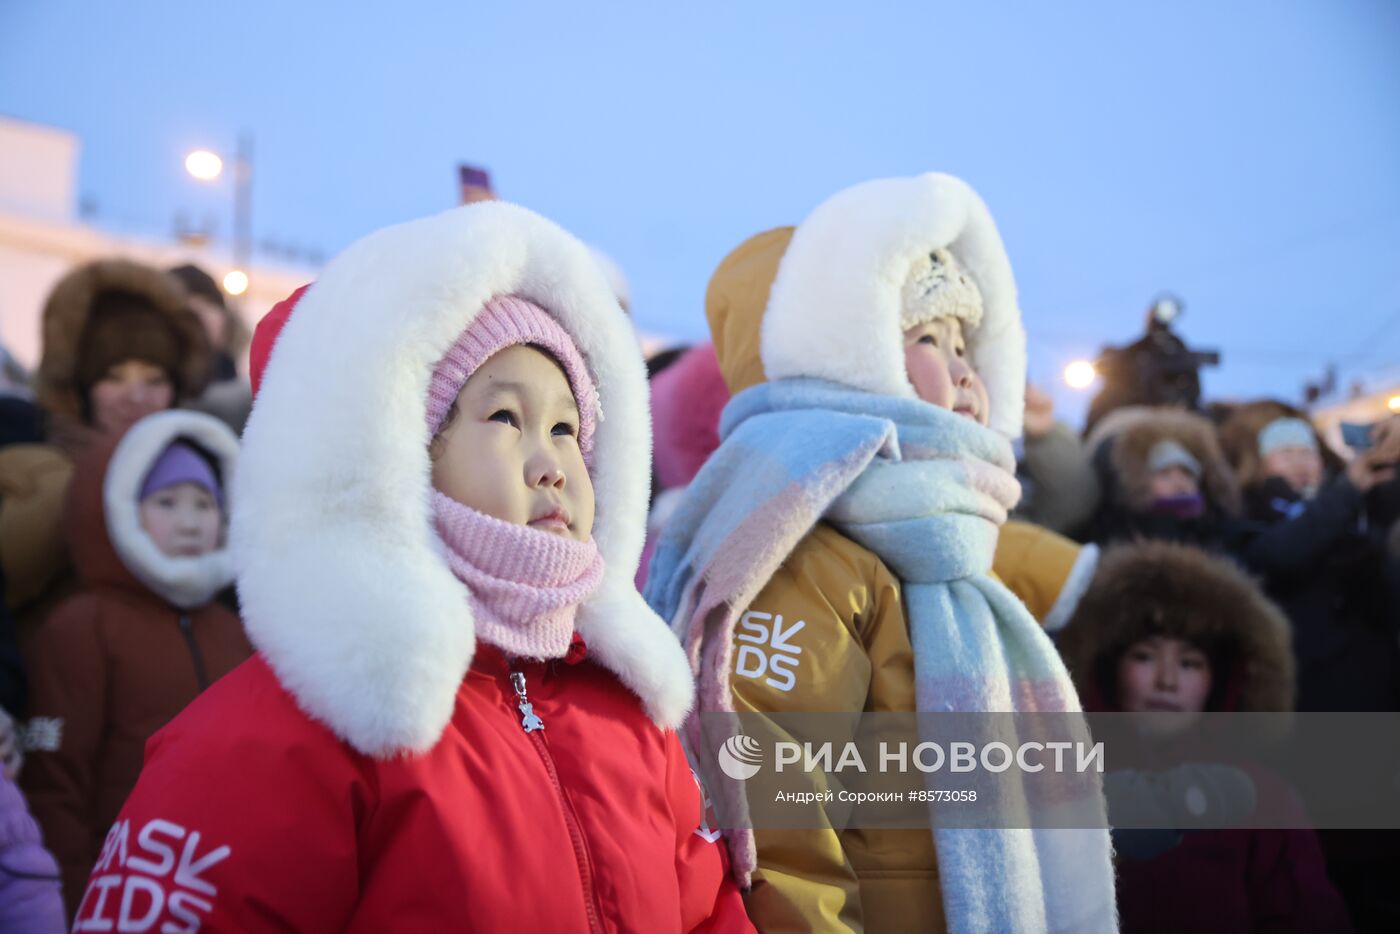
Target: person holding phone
x=1318 y=542
x=1319 y=538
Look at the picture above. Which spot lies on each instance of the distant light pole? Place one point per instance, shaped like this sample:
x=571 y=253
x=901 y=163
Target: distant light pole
x=207 y=166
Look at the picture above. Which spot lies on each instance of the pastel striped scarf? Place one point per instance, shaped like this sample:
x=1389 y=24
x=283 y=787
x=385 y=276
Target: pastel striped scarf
x=926 y=490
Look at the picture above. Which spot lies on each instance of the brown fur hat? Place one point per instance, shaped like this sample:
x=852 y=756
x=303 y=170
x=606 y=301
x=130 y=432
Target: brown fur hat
x=122 y=307
x=1239 y=437
x=1149 y=589
x=1133 y=433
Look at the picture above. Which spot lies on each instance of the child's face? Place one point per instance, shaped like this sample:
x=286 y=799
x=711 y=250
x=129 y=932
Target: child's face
x=1299 y=467
x=1173 y=481
x=1161 y=675
x=511 y=448
x=183 y=520
x=935 y=357
x=127 y=393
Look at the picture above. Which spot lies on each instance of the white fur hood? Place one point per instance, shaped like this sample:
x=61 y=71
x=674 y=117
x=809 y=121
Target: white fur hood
x=342 y=579
x=185 y=583
x=834 y=309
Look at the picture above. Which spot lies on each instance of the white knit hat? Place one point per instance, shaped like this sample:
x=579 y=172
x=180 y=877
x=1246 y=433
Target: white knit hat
x=939 y=287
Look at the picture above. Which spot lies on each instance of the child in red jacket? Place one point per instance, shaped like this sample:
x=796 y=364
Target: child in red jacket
x=461 y=713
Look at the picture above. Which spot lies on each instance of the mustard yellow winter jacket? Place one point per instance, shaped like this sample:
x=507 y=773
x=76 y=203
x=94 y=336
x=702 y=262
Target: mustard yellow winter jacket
x=33 y=482
x=851 y=652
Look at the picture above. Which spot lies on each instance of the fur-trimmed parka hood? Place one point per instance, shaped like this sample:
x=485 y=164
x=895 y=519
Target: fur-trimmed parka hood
x=102 y=521
x=1159 y=588
x=344 y=584
x=823 y=299
x=1239 y=437
x=68 y=311
x=1134 y=431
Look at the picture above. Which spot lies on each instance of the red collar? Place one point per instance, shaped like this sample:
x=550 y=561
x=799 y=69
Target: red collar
x=492 y=662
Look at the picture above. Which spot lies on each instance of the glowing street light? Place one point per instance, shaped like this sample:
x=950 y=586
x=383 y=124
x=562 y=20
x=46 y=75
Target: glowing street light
x=204 y=165
x=208 y=166
x=1393 y=403
x=1080 y=374
x=236 y=282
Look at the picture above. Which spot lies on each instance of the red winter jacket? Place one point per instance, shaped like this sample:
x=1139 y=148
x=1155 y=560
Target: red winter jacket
x=251 y=816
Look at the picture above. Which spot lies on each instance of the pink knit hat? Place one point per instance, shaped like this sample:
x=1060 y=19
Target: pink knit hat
x=506 y=321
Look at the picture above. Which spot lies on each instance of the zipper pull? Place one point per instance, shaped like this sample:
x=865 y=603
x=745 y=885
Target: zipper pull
x=529 y=722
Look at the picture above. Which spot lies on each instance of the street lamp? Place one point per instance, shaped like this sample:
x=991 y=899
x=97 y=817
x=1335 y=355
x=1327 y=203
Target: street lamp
x=236 y=282
x=207 y=166
x=204 y=165
x=1080 y=374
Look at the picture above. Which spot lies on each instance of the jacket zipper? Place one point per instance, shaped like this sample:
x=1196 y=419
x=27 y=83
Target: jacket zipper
x=187 y=630
x=534 y=728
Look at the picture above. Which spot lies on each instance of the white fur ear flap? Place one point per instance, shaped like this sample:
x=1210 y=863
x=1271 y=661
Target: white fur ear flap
x=380 y=662
x=632 y=642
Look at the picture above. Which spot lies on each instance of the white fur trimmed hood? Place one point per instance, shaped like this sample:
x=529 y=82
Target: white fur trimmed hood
x=834 y=309
x=342 y=579
x=185 y=583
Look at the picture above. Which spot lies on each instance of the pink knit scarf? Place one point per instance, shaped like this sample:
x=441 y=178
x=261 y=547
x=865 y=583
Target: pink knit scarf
x=526 y=585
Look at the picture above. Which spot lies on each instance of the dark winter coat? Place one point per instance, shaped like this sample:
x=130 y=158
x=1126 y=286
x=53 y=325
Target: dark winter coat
x=117 y=661
x=14 y=682
x=1323 y=561
x=1227 y=881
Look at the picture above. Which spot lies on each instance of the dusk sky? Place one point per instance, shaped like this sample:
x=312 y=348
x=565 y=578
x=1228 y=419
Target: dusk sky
x=1245 y=155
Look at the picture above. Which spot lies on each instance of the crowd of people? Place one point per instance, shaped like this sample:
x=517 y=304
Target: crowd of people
x=413 y=627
